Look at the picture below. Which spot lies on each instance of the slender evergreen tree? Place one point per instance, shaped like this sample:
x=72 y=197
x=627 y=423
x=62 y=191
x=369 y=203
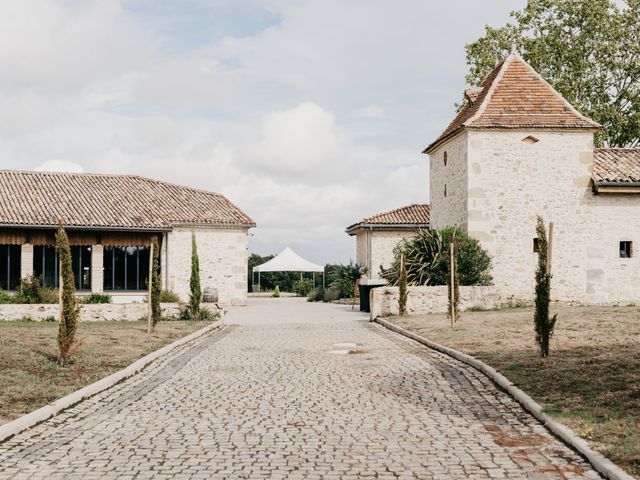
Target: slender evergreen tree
x=402 y=284
x=69 y=310
x=156 y=311
x=544 y=325
x=196 y=292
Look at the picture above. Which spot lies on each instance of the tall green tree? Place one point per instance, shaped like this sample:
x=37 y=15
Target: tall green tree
x=195 y=297
x=69 y=311
x=402 y=284
x=156 y=289
x=588 y=50
x=544 y=325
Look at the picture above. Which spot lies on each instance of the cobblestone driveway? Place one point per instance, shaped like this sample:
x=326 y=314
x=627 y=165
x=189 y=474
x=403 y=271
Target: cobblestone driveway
x=275 y=396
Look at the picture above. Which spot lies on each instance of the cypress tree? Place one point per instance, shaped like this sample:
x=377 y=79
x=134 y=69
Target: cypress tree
x=544 y=325
x=156 y=311
x=402 y=284
x=196 y=293
x=69 y=311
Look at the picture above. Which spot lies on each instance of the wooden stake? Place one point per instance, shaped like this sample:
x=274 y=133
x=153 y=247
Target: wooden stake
x=150 y=283
x=452 y=267
x=549 y=248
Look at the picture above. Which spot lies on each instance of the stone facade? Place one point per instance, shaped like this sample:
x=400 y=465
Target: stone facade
x=374 y=248
x=26 y=260
x=449 y=209
x=223 y=255
x=91 y=312
x=507 y=181
x=384 y=300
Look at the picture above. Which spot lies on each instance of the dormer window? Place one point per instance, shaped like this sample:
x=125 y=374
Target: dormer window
x=445 y=159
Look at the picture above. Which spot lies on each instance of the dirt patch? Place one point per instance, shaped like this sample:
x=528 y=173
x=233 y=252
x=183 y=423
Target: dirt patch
x=31 y=377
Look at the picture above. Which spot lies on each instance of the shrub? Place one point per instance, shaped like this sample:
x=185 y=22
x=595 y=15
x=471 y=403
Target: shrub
x=276 y=292
x=332 y=294
x=302 y=288
x=156 y=311
x=195 y=297
x=31 y=290
x=544 y=325
x=203 y=314
x=97 y=298
x=169 y=296
x=50 y=319
x=316 y=295
x=70 y=312
x=427 y=260
x=6 y=298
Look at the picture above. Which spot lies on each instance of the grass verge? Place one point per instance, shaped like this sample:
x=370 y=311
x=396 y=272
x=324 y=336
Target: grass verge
x=31 y=377
x=591 y=381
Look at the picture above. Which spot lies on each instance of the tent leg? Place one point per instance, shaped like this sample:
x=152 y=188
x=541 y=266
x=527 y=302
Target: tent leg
x=323 y=282
x=259 y=289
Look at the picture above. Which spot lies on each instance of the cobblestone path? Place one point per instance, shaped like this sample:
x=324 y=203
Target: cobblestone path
x=275 y=395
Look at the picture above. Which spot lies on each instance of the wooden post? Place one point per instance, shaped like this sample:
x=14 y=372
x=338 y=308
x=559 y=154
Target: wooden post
x=549 y=248
x=150 y=284
x=452 y=268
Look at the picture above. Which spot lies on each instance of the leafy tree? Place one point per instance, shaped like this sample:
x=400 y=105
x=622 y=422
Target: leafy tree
x=427 y=259
x=342 y=278
x=402 y=283
x=156 y=311
x=196 y=292
x=69 y=312
x=544 y=325
x=588 y=50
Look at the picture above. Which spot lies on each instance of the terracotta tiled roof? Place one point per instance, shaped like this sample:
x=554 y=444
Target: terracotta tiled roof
x=109 y=201
x=616 y=165
x=416 y=215
x=514 y=95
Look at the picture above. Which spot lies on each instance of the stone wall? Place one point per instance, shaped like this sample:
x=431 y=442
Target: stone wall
x=384 y=300
x=223 y=262
x=91 y=312
x=452 y=208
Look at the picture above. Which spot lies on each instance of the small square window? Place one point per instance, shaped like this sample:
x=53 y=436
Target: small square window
x=536 y=245
x=626 y=249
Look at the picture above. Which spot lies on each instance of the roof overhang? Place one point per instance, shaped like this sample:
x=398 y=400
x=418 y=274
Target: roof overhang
x=616 y=187
x=353 y=229
x=126 y=229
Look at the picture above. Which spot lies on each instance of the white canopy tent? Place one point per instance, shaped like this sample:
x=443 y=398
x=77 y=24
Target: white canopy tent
x=288 y=261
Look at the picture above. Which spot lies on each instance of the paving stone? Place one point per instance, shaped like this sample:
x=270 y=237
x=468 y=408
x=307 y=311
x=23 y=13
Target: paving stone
x=264 y=398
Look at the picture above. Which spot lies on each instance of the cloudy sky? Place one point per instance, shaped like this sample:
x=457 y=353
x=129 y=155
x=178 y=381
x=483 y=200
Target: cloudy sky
x=308 y=114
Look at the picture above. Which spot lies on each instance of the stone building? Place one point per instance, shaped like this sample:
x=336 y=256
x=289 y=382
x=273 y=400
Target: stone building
x=110 y=220
x=517 y=150
x=376 y=236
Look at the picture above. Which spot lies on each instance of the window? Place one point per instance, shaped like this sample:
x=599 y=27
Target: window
x=9 y=266
x=445 y=159
x=46 y=265
x=445 y=190
x=626 y=249
x=126 y=268
x=536 y=245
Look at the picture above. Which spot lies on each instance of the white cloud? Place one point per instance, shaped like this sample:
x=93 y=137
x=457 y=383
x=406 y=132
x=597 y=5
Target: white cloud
x=308 y=124
x=59 y=166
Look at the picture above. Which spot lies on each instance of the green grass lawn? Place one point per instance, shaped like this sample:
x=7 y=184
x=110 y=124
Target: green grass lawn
x=30 y=375
x=591 y=381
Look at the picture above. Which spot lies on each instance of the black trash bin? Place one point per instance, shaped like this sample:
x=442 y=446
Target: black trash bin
x=365 y=290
